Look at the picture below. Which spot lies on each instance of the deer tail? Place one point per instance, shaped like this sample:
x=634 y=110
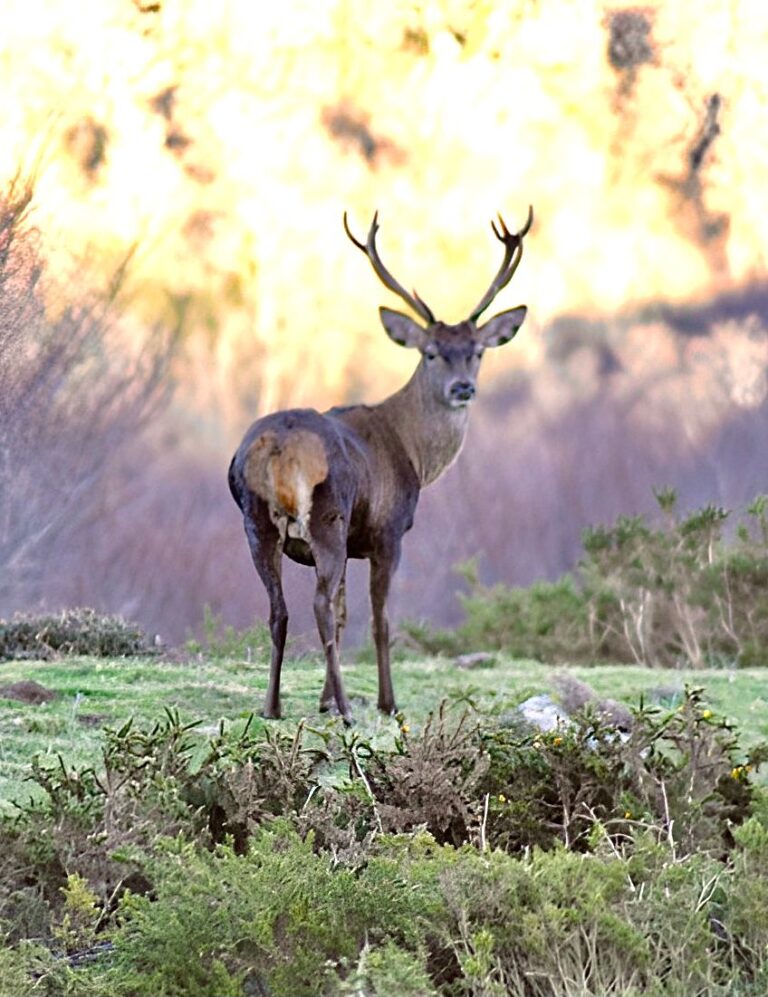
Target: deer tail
x=284 y=471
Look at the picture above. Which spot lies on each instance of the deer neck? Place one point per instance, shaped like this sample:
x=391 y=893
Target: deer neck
x=431 y=432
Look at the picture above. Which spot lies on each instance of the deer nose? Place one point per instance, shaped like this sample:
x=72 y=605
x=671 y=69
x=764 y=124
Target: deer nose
x=462 y=391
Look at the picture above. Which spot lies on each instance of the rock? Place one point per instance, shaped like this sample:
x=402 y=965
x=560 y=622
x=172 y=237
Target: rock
x=543 y=712
x=576 y=695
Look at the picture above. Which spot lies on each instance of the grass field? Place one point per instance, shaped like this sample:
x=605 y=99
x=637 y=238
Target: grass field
x=93 y=692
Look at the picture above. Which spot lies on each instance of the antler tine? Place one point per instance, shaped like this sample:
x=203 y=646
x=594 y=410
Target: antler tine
x=513 y=253
x=369 y=248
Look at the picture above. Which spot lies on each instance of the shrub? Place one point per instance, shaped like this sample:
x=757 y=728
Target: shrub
x=422 y=918
x=222 y=640
x=100 y=823
x=671 y=595
x=279 y=919
x=13 y=973
x=73 y=631
x=681 y=771
x=675 y=594
x=547 y=620
x=572 y=855
x=431 y=779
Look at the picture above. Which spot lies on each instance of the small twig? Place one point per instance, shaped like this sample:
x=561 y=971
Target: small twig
x=296 y=742
x=566 y=825
x=667 y=819
x=609 y=839
x=483 y=840
x=105 y=910
x=367 y=785
x=311 y=793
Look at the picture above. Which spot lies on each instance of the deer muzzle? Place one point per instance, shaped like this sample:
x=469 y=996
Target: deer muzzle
x=461 y=393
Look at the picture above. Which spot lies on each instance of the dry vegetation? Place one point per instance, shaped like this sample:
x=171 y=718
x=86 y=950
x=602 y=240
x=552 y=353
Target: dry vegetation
x=73 y=405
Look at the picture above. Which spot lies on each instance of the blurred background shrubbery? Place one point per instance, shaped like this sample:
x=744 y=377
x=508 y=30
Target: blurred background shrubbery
x=191 y=165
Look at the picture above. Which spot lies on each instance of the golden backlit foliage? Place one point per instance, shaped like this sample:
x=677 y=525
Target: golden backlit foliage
x=224 y=140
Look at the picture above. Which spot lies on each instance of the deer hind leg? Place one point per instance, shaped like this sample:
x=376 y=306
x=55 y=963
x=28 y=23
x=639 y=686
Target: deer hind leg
x=329 y=549
x=266 y=544
x=383 y=566
x=327 y=698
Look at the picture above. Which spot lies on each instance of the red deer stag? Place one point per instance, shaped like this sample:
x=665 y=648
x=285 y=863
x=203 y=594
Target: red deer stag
x=324 y=487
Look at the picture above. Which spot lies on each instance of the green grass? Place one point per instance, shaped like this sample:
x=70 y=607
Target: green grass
x=93 y=692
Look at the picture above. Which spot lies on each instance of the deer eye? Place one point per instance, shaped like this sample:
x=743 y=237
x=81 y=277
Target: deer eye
x=479 y=351
x=431 y=353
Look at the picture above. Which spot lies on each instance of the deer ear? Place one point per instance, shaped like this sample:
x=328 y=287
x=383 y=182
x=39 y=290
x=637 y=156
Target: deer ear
x=402 y=329
x=502 y=327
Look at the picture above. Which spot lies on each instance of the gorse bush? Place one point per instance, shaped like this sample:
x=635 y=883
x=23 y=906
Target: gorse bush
x=680 y=775
x=222 y=640
x=287 y=920
x=547 y=620
x=676 y=594
x=670 y=595
x=73 y=631
x=281 y=917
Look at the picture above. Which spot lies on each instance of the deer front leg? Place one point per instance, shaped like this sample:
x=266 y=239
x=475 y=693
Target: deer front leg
x=383 y=567
x=266 y=549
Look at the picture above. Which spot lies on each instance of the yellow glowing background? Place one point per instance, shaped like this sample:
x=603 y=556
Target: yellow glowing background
x=225 y=139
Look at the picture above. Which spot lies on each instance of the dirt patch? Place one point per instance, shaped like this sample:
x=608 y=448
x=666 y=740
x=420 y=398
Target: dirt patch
x=27 y=692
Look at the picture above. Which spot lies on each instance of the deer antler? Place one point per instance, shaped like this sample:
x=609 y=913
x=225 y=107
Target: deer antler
x=369 y=248
x=513 y=244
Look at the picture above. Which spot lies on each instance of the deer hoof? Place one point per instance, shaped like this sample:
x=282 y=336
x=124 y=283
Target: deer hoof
x=271 y=714
x=331 y=706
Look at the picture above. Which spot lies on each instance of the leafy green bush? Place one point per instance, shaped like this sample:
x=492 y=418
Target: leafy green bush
x=676 y=594
x=463 y=857
x=73 y=631
x=547 y=620
x=14 y=979
x=280 y=919
x=422 y=918
x=222 y=640
x=671 y=595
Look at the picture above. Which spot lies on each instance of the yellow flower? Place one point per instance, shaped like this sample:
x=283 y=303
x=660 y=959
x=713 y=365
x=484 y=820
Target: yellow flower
x=502 y=798
x=404 y=729
x=706 y=714
x=557 y=740
x=627 y=814
x=736 y=772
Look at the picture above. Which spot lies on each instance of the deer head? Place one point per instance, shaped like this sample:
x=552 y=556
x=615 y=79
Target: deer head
x=450 y=354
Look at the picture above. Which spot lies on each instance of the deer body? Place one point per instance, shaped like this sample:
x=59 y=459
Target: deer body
x=323 y=487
